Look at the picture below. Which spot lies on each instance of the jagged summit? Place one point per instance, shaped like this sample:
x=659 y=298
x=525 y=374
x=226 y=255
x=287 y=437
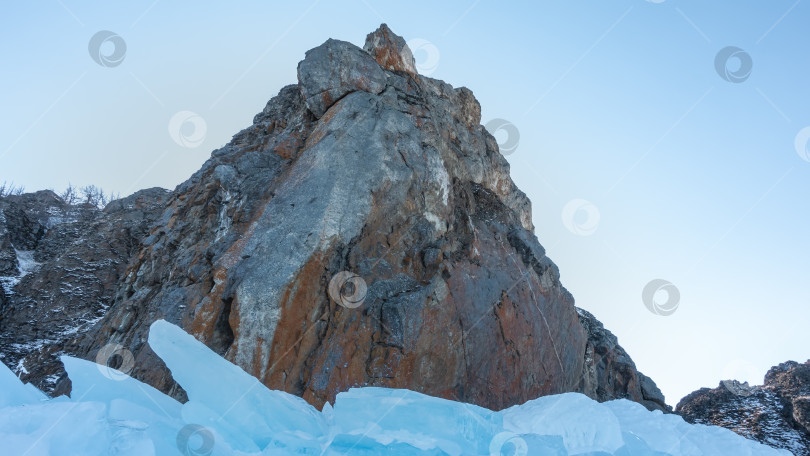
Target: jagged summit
x=390 y=50
x=364 y=173
x=337 y=68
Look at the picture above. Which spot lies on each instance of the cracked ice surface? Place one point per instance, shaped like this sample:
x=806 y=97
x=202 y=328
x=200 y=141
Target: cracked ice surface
x=231 y=413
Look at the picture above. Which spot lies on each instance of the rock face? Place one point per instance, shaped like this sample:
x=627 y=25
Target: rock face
x=390 y=51
x=609 y=371
x=776 y=413
x=364 y=167
x=67 y=261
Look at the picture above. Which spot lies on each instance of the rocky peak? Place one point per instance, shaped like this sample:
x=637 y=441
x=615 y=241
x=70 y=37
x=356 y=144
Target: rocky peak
x=334 y=69
x=361 y=170
x=390 y=50
x=776 y=413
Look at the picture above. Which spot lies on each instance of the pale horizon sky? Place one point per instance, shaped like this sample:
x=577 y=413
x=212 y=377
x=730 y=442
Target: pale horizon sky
x=642 y=158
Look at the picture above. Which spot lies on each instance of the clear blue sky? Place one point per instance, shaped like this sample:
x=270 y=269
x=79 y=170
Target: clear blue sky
x=696 y=179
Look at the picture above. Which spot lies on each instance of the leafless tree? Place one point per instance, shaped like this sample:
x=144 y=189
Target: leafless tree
x=71 y=195
x=7 y=189
x=92 y=195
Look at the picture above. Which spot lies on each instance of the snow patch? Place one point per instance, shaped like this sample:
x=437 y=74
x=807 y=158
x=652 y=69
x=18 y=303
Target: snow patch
x=444 y=182
x=25 y=262
x=20 y=368
x=437 y=222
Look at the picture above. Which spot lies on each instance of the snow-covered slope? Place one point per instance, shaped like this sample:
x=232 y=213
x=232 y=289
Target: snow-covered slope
x=776 y=413
x=231 y=413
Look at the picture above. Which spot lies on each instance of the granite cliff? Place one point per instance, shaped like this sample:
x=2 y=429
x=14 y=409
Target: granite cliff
x=364 y=230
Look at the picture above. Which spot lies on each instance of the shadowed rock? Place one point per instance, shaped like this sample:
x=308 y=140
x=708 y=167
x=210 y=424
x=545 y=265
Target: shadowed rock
x=776 y=413
x=70 y=263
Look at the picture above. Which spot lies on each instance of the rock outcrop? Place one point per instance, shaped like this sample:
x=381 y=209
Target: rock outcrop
x=67 y=261
x=610 y=373
x=365 y=170
x=776 y=413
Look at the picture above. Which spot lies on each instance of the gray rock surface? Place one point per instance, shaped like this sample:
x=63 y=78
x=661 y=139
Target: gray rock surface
x=335 y=69
x=363 y=166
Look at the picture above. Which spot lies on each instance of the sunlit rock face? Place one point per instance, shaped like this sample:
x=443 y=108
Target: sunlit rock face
x=363 y=166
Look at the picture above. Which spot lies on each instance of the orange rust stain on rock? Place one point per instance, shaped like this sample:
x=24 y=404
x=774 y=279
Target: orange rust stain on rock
x=297 y=334
x=320 y=132
x=270 y=128
x=202 y=321
x=256 y=367
x=389 y=60
x=210 y=307
x=387 y=53
x=364 y=84
x=326 y=99
x=288 y=147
